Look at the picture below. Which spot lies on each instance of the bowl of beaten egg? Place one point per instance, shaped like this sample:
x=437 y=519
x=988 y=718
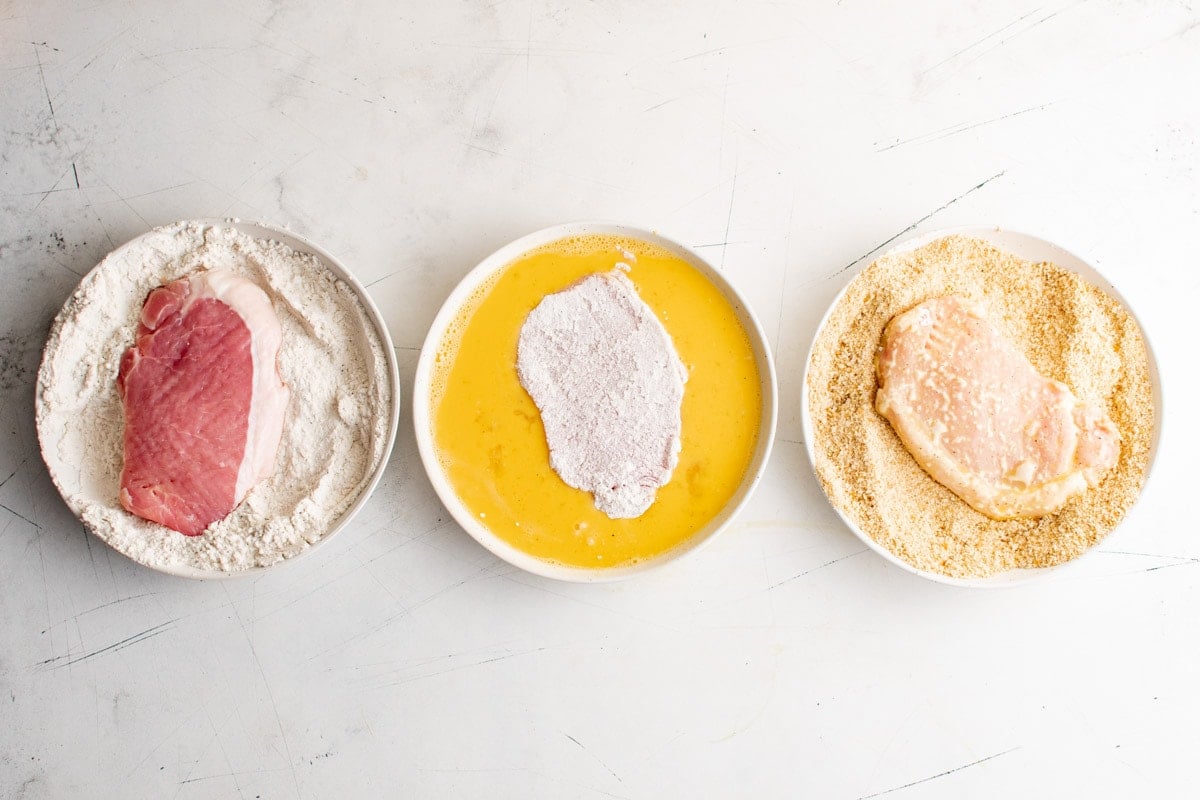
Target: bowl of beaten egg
x=483 y=440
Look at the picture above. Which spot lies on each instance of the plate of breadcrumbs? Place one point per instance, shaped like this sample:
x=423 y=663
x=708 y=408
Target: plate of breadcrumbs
x=1073 y=327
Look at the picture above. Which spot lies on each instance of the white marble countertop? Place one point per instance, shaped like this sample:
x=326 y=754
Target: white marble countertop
x=787 y=141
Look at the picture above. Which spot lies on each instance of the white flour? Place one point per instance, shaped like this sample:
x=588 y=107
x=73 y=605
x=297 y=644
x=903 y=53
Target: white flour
x=335 y=430
x=605 y=376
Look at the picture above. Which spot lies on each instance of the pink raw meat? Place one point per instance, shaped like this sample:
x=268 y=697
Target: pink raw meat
x=979 y=418
x=204 y=403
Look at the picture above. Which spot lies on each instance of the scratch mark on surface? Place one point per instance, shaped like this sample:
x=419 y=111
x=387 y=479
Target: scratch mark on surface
x=411 y=540
x=483 y=573
x=287 y=750
x=501 y=80
x=156 y=191
x=114 y=602
x=1174 y=561
x=656 y=751
x=891 y=740
x=913 y=226
x=202 y=750
x=46 y=592
x=517 y=576
x=1021 y=32
x=125 y=201
x=1148 y=555
x=41 y=192
x=472 y=665
x=75 y=170
x=659 y=105
x=593 y=755
x=384 y=278
x=14 y=472
x=87 y=203
x=129 y=641
x=814 y=569
x=367 y=634
x=50 y=191
x=716 y=50
x=170 y=735
x=307 y=594
x=939 y=775
x=531 y=163
x=1176 y=564
x=701 y=196
x=962 y=127
x=978 y=42
x=1004 y=41
x=1185 y=31
x=87 y=541
x=224 y=752
x=233 y=775
x=20 y=516
x=721 y=128
x=729 y=215
x=45 y=88
x=383 y=586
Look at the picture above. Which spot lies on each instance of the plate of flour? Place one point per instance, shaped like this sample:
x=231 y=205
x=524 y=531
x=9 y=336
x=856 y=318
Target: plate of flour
x=339 y=425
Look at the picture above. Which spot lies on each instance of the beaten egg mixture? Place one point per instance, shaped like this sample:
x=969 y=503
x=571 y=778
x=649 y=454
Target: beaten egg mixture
x=488 y=432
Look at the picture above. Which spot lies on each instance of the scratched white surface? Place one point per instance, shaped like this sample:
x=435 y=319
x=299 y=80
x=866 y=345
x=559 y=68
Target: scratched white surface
x=787 y=141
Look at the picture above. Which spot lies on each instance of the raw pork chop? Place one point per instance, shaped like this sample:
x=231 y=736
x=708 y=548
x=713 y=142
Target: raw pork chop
x=203 y=399
x=979 y=418
x=604 y=374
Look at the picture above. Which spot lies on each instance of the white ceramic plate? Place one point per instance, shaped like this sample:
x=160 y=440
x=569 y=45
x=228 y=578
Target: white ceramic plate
x=1034 y=249
x=422 y=410
x=302 y=245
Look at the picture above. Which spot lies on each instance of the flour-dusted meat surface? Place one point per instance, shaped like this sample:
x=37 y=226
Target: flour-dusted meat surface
x=979 y=418
x=204 y=403
x=605 y=376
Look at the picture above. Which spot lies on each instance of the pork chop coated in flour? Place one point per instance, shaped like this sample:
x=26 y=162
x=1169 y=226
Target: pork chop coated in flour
x=605 y=376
